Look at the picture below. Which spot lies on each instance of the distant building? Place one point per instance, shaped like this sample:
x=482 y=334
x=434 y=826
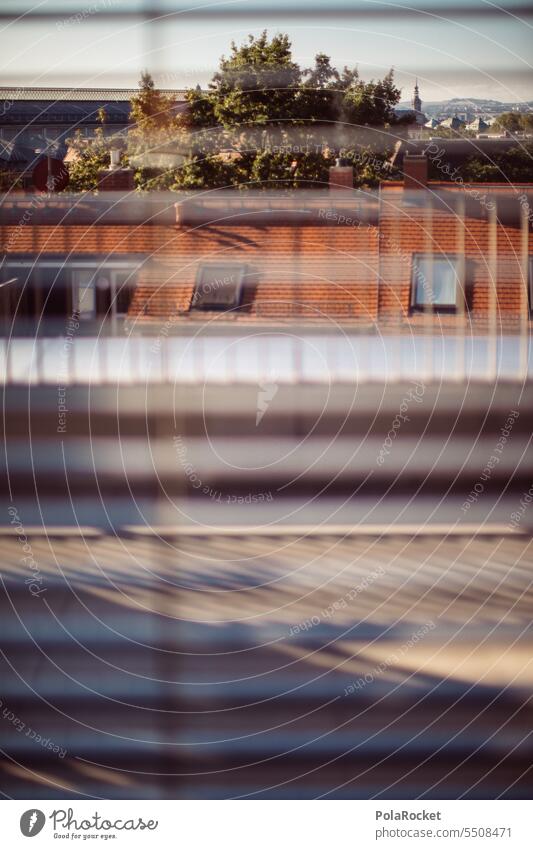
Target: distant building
x=37 y=121
x=416 y=103
x=454 y=123
x=57 y=113
x=478 y=126
x=415 y=114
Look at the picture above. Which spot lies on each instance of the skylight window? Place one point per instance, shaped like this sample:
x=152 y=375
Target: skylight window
x=218 y=287
x=435 y=282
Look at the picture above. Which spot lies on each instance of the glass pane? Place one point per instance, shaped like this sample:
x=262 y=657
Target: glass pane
x=436 y=282
x=50 y=288
x=444 y=283
x=124 y=285
x=423 y=276
x=84 y=294
x=217 y=287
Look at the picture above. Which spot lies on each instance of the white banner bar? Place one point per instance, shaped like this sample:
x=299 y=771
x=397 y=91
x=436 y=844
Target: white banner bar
x=268 y=824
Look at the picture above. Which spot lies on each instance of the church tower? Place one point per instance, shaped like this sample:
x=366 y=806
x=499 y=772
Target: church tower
x=416 y=102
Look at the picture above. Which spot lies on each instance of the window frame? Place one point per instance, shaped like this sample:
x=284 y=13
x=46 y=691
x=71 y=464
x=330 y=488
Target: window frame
x=100 y=266
x=76 y=297
x=450 y=309
x=235 y=267
x=114 y=288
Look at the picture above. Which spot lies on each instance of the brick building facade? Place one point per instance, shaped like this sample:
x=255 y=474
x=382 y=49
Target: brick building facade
x=412 y=254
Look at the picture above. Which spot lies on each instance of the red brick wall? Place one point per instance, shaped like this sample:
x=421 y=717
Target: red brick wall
x=298 y=271
x=85 y=239
x=407 y=229
x=315 y=271
x=116 y=180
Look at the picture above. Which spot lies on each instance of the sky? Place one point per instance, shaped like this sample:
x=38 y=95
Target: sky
x=472 y=48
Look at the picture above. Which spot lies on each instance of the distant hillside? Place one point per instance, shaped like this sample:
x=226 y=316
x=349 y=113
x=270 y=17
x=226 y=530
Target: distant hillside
x=458 y=104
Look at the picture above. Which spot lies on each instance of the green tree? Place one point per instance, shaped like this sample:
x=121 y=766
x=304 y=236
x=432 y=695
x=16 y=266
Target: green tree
x=153 y=114
x=321 y=91
x=156 y=125
x=514 y=165
x=157 y=128
x=369 y=103
x=88 y=158
x=261 y=86
x=204 y=172
x=263 y=121
x=259 y=83
x=10 y=179
x=510 y=121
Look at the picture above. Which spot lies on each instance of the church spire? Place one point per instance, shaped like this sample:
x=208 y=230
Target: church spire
x=416 y=102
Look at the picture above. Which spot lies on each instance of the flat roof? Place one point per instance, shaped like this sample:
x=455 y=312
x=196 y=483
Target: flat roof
x=22 y=93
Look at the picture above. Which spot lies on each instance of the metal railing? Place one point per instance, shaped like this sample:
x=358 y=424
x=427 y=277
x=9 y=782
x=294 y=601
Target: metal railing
x=286 y=355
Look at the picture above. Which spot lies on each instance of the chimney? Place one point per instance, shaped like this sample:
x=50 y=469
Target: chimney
x=180 y=213
x=340 y=176
x=115 y=178
x=415 y=171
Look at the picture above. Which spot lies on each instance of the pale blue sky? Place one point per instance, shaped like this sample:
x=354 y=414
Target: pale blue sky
x=472 y=55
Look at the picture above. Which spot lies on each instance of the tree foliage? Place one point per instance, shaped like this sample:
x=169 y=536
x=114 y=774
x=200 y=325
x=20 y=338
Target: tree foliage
x=10 y=179
x=369 y=103
x=260 y=83
x=260 y=88
x=91 y=156
x=157 y=128
x=515 y=166
x=515 y=122
x=153 y=115
x=262 y=122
